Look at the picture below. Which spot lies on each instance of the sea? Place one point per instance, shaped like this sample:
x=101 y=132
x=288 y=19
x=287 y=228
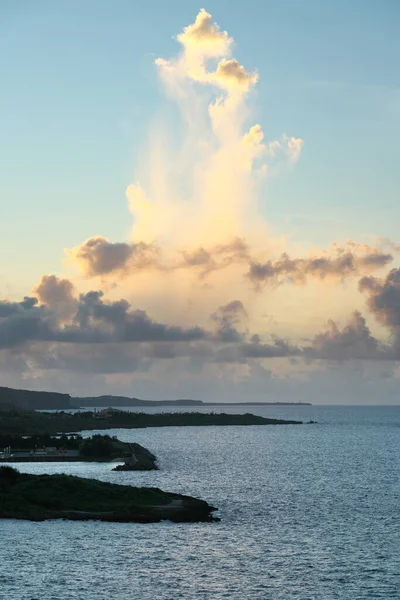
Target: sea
x=307 y=512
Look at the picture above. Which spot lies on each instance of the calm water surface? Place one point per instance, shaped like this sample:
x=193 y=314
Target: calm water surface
x=307 y=512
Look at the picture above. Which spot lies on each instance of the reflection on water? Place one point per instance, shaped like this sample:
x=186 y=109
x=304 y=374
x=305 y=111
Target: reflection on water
x=308 y=512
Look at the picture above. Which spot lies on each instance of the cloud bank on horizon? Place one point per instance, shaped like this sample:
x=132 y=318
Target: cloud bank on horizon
x=187 y=293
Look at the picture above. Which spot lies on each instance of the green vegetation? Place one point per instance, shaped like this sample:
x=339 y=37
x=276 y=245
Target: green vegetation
x=17 y=421
x=40 y=497
x=23 y=442
x=96 y=448
x=103 y=447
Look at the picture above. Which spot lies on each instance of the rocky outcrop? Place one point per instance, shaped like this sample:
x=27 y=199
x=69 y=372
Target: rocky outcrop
x=141 y=459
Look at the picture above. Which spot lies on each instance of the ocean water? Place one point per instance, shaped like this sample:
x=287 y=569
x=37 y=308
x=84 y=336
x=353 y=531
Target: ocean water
x=307 y=512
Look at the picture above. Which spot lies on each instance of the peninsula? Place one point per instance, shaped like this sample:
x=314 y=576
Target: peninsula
x=17 y=421
x=43 y=497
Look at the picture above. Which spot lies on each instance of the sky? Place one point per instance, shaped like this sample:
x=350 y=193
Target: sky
x=201 y=202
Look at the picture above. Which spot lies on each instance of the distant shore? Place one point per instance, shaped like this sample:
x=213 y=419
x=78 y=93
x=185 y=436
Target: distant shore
x=121 y=401
x=33 y=400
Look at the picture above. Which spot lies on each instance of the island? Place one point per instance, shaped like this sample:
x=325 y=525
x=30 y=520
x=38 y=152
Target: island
x=44 y=497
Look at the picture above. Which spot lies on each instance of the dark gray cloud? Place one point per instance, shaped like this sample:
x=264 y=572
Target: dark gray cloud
x=23 y=322
x=254 y=348
x=95 y=321
x=353 y=341
x=383 y=298
x=57 y=294
x=217 y=257
x=97 y=256
x=111 y=337
x=11 y=308
x=345 y=263
x=227 y=318
x=87 y=358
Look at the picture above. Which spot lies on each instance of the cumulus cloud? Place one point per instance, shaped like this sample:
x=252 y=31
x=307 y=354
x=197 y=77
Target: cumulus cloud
x=201 y=41
x=205 y=37
x=56 y=293
x=354 y=341
x=107 y=338
x=23 y=321
x=8 y=309
x=198 y=211
x=209 y=181
x=345 y=262
x=227 y=319
x=97 y=256
x=383 y=298
x=231 y=75
x=99 y=321
x=94 y=321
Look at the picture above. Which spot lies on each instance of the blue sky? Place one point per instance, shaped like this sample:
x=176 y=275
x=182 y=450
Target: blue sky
x=79 y=89
x=183 y=307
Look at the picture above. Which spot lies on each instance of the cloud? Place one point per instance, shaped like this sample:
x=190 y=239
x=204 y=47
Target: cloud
x=289 y=146
x=97 y=256
x=227 y=318
x=231 y=75
x=8 y=309
x=205 y=37
x=201 y=41
x=220 y=256
x=100 y=359
x=254 y=348
x=383 y=298
x=115 y=321
x=198 y=211
x=110 y=337
x=24 y=321
x=207 y=177
x=354 y=341
x=57 y=294
x=95 y=321
x=345 y=262
x=388 y=243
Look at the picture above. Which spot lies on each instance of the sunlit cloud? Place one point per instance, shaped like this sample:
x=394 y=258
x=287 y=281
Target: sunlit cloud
x=190 y=284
